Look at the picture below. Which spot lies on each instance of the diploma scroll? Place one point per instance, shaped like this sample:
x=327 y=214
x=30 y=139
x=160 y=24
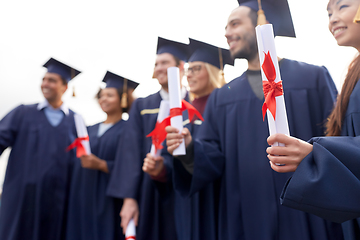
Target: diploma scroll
x=175 y=105
x=164 y=111
x=274 y=104
x=130 y=230
x=82 y=133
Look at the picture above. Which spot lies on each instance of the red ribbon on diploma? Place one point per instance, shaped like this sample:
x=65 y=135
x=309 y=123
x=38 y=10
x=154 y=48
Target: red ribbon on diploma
x=80 y=150
x=158 y=135
x=271 y=88
x=130 y=237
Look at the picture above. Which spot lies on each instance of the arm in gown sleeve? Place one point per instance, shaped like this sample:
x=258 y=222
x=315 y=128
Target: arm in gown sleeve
x=9 y=127
x=327 y=181
x=126 y=175
x=208 y=158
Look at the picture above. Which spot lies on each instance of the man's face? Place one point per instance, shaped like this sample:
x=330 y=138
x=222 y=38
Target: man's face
x=162 y=63
x=53 y=87
x=240 y=34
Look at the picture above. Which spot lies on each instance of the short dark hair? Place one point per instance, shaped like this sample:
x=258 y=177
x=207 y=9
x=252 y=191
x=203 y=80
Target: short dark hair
x=64 y=80
x=177 y=61
x=253 y=16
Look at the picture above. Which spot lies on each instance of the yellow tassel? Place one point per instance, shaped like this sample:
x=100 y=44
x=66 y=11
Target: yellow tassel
x=357 y=16
x=124 y=100
x=73 y=91
x=261 y=18
x=124 y=95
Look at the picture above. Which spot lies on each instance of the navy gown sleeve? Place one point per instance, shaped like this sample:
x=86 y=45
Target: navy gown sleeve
x=126 y=178
x=209 y=163
x=9 y=127
x=326 y=183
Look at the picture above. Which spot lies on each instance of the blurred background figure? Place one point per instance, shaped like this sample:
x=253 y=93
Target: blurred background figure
x=37 y=181
x=92 y=214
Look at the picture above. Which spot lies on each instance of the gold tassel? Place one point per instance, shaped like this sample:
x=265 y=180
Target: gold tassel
x=357 y=16
x=72 y=75
x=261 y=15
x=221 y=63
x=124 y=95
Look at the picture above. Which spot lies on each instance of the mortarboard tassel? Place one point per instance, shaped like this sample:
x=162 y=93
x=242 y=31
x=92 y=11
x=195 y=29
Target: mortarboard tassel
x=221 y=62
x=124 y=95
x=261 y=15
x=72 y=76
x=357 y=16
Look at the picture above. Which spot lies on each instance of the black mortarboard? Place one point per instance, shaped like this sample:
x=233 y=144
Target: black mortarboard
x=277 y=12
x=177 y=49
x=204 y=52
x=115 y=81
x=65 y=71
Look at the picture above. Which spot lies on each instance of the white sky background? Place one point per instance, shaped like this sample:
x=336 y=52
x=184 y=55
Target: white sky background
x=121 y=36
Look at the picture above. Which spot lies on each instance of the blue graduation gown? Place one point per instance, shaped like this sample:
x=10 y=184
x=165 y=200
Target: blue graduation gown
x=231 y=144
x=326 y=182
x=92 y=214
x=156 y=219
x=36 y=186
x=195 y=216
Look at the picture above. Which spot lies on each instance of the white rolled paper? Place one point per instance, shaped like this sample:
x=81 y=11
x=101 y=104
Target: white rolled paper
x=266 y=43
x=175 y=102
x=164 y=111
x=82 y=132
x=130 y=230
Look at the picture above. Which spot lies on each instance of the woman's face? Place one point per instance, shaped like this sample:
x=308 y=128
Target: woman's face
x=109 y=101
x=341 y=25
x=198 y=79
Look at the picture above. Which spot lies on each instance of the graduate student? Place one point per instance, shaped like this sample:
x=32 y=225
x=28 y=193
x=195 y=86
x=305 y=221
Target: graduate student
x=92 y=214
x=326 y=180
x=153 y=215
x=231 y=141
x=37 y=180
x=196 y=217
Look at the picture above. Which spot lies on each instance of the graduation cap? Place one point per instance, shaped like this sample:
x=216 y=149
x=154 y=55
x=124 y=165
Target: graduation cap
x=204 y=52
x=65 y=71
x=115 y=81
x=277 y=12
x=177 y=49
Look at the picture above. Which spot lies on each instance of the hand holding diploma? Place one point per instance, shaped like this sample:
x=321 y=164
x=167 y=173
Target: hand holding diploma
x=177 y=106
x=287 y=158
x=174 y=138
x=129 y=211
x=153 y=165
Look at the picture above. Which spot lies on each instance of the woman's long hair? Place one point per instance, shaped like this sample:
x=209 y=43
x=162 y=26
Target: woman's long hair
x=336 y=118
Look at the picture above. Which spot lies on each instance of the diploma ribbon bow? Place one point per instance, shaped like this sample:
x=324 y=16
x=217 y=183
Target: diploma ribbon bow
x=80 y=150
x=158 y=135
x=271 y=88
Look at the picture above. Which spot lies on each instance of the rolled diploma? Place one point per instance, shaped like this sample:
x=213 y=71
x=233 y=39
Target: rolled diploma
x=265 y=40
x=130 y=230
x=82 y=132
x=164 y=111
x=175 y=102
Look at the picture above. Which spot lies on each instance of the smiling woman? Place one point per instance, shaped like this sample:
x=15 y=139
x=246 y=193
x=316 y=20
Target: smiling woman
x=329 y=161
